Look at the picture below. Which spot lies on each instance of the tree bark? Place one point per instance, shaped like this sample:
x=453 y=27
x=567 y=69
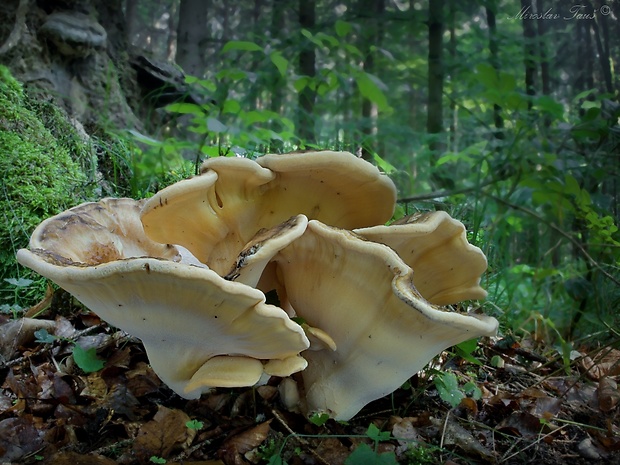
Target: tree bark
x=434 y=120
x=131 y=19
x=307 y=67
x=545 y=79
x=494 y=59
x=373 y=10
x=453 y=145
x=529 y=52
x=191 y=36
x=602 y=48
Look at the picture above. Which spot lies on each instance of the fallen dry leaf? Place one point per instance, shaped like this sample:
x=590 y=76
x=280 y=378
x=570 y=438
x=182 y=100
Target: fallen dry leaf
x=234 y=447
x=17 y=333
x=405 y=433
x=72 y=458
x=454 y=434
x=166 y=432
x=19 y=437
x=603 y=363
x=608 y=394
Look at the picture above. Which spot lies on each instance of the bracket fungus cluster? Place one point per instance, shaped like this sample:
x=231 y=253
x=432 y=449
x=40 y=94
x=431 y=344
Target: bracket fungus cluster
x=187 y=271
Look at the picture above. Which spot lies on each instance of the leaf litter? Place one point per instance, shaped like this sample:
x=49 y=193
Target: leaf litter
x=513 y=403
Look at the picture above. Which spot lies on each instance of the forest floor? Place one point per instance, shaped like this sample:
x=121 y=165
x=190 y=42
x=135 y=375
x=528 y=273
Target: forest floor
x=518 y=403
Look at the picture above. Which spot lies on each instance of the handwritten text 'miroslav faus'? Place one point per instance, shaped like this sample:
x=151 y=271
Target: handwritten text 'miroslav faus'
x=578 y=12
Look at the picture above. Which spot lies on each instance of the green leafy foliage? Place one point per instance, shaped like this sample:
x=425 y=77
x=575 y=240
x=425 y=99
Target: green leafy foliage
x=87 y=359
x=195 y=424
x=447 y=385
x=365 y=455
x=319 y=419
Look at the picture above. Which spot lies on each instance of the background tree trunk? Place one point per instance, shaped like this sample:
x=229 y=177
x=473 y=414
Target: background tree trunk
x=372 y=11
x=191 y=36
x=494 y=59
x=434 y=121
x=307 y=67
x=529 y=51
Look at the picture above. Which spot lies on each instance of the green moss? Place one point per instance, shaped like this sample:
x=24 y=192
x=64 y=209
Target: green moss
x=39 y=172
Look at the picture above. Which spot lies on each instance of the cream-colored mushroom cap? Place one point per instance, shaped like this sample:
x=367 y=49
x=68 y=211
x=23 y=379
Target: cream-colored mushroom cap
x=199 y=330
x=217 y=213
x=447 y=268
x=361 y=294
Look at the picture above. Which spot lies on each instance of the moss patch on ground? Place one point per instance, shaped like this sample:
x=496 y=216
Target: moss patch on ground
x=42 y=166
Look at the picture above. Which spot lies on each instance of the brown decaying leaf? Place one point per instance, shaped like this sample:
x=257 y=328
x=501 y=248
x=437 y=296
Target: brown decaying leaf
x=163 y=434
x=72 y=458
x=453 y=434
x=19 y=437
x=16 y=333
x=238 y=444
x=608 y=395
x=603 y=363
x=405 y=432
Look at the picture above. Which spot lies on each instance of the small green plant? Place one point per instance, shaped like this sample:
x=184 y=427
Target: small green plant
x=195 y=424
x=155 y=459
x=367 y=455
x=319 y=419
x=447 y=385
x=421 y=455
x=86 y=359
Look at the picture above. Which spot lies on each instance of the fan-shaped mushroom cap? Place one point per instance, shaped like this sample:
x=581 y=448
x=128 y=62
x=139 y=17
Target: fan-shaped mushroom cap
x=99 y=232
x=198 y=329
x=216 y=214
x=361 y=294
x=447 y=268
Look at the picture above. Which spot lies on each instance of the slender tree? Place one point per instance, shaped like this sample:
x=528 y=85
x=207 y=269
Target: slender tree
x=307 y=67
x=373 y=12
x=529 y=51
x=192 y=35
x=494 y=59
x=434 y=121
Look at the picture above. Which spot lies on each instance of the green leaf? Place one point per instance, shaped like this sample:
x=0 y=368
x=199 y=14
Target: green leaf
x=144 y=139
x=385 y=166
x=20 y=282
x=487 y=75
x=550 y=106
x=343 y=28
x=231 y=106
x=242 y=45
x=301 y=83
x=42 y=336
x=185 y=108
x=583 y=94
x=195 y=424
x=472 y=390
x=376 y=434
x=369 y=88
x=364 y=455
x=155 y=459
x=466 y=349
x=215 y=125
x=280 y=62
x=276 y=460
x=87 y=360
x=448 y=387
x=319 y=419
